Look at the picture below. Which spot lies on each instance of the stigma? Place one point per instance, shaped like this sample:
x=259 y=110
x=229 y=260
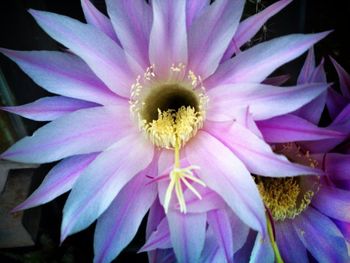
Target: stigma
x=169 y=111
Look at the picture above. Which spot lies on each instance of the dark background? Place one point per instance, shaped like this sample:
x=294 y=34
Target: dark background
x=19 y=31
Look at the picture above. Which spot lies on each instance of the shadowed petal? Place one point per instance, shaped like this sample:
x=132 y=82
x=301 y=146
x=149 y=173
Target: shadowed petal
x=232 y=181
x=256 y=154
x=119 y=223
x=168 y=39
x=94 y=17
x=63 y=74
x=211 y=251
x=132 y=21
x=336 y=164
x=83 y=131
x=219 y=221
x=250 y=26
x=106 y=59
x=58 y=181
x=277 y=81
x=262 y=251
x=210 y=34
x=240 y=231
x=291 y=248
x=49 y=108
x=264 y=101
x=103 y=180
x=335 y=103
x=344 y=78
x=268 y=55
x=187 y=233
x=333 y=202
x=321 y=236
x=159 y=239
x=290 y=128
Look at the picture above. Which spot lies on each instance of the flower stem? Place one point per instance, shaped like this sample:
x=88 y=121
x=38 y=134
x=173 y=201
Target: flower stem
x=273 y=241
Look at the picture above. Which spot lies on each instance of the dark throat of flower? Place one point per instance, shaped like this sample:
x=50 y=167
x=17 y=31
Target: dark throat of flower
x=170 y=112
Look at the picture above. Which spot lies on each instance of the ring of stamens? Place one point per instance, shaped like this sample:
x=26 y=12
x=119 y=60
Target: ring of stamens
x=169 y=112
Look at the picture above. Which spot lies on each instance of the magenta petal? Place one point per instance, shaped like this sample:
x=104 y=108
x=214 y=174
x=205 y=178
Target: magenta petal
x=58 y=181
x=187 y=233
x=344 y=78
x=256 y=154
x=106 y=59
x=333 y=202
x=83 y=131
x=168 y=39
x=335 y=166
x=268 y=55
x=219 y=221
x=94 y=17
x=115 y=167
x=232 y=181
x=264 y=101
x=308 y=68
x=49 y=108
x=159 y=239
x=63 y=74
x=289 y=128
x=132 y=22
x=210 y=34
x=119 y=223
x=250 y=26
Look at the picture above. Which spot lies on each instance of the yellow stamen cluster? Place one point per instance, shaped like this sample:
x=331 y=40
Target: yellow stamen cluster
x=284 y=197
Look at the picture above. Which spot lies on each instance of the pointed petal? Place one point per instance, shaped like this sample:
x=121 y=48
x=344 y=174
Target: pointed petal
x=321 y=236
x=155 y=216
x=187 y=233
x=308 y=68
x=333 y=202
x=264 y=101
x=250 y=26
x=106 y=59
x=159 y=239
x=168 y=39
x=49 y=108
x=268 y=55
x=290 y=128
x=91 y=194
x=344 y=78
x=94 y=17
x=262 y=251
x=255 y=153
x=119 y=223
x=132 y=21
x=291 y=248
x=193 y=9
x=232 y=182
x=63 y=74
x=211 y=33
x=335 y=103
x=219 y=221
x=83 y=131
x=58 y=181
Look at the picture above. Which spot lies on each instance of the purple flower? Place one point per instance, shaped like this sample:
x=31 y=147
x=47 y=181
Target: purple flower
x=151 y=107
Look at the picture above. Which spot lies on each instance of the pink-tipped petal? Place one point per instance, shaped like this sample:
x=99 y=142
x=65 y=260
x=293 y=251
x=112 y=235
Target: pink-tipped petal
x=344 y=78
x=210 y=34
x=232 y=181
x=255 y=153
x=106 y=59
x=187 y=234
x=49 y=108
x=250 y=26
x=132 y=22
x=94 y=17
x=219 y=221
x=103 y=180
x=58 y=181
x=168 y=39
x=83 y=131
x=290 y=128
x=264 y=101
x=256 y=63
x=62 y=73
x=119 y=223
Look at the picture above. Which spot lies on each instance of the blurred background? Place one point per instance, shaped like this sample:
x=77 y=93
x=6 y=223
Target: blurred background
x=35 y=233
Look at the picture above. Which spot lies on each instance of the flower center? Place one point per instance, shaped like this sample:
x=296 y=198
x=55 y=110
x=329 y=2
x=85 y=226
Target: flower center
x=289 y=196
x=170 y=111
